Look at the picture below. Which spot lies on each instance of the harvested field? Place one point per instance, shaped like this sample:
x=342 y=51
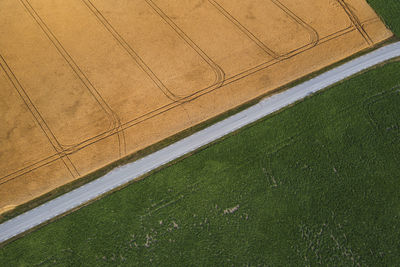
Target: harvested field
x=84 y=83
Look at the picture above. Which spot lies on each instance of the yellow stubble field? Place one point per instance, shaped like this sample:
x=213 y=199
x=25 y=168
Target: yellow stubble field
x=84 y=83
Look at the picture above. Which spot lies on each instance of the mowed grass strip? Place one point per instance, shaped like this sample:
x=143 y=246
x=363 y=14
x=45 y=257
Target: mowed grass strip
x=389 y=10
x=314 y=184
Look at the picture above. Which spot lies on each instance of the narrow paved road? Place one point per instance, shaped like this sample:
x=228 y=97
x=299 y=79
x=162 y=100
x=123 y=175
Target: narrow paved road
x=132 y=171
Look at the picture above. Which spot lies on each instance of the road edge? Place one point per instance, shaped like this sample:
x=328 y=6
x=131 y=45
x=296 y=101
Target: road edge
x=133 y=171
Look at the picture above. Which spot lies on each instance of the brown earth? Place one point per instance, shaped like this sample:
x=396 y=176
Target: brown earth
x=86 y=82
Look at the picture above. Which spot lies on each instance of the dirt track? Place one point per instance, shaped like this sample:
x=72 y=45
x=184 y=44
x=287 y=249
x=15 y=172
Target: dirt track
x=79 y=77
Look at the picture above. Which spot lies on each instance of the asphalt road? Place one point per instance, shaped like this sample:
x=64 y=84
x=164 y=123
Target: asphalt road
x=132 y=171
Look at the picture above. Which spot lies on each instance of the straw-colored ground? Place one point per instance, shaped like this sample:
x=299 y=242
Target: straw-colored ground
x=86 y=82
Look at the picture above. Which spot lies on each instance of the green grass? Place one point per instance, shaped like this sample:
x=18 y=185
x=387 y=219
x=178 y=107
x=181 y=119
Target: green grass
x=389 y=10
x=317 y=183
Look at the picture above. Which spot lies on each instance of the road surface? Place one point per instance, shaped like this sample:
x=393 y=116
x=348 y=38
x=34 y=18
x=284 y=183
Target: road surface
x=134 y=170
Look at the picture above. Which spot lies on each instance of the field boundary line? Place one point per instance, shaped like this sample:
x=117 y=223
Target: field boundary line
x=133 y=54
x=218 y=71
x=38 y=118
x=135 y=121
x=313 y=34
x=133 y=171
x=356 y=22
x=109 y=112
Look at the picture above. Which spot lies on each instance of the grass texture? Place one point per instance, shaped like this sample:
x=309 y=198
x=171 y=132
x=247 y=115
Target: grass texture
x=389 y=10
x=314 y=184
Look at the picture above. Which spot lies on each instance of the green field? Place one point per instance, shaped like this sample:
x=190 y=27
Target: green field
x=389 y=10
x=317 y=183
